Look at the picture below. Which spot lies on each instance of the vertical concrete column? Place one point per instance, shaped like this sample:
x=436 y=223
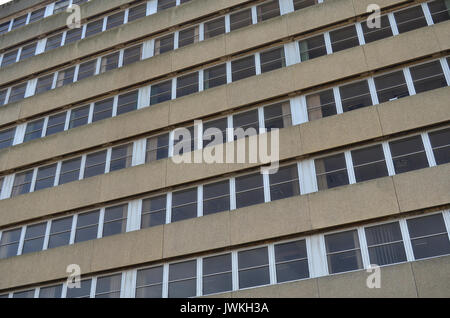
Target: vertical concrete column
x=299 y=112
x=307 y=176
x=292 y=53
x=286 y=6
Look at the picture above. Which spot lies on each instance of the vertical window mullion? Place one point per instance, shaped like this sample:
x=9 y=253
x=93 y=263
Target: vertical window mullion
x=254 y=15
x=201 y=32
x=82 y=166
x=428 y=149
x=108 y=160
x=272 y=266
x=232 y=194
x=409 y=81
x=261 y=122
x=67 y=121
x=337 y=100
x=93 y=287
x=328 y=46
x=120 y=61
x=200 y=201
x=75 y=73
x=407 y=240
x=114 y=108
x=174 y=88
x=98 y=66
x=257 y=63
x=234 y=270
x=101 y=220
x=57 y=173
x=165 y=282
x=139 y=150
x=446 y=215
x=33 y=180
x=393 y=23
x=350 y=169
x=360 y=33
x=230 y=135
x=199 y=277
x=168 y=207
x=152 y=7
x=307 y=176
x=47 y=235
x=125 y=16
x=105 y=21
x=171 y=143
x=83 y=32
x=317 y=256
x=364 y=248
x=299 y=110
x=229 y=72
x=64 y=290
x=144 y=97
x=227 y=23
x=73 y=229
x=91 y=113
x=176 y=38
x=134 y=215
x=388 y=158
x=21 y=240
x=201 y=80
x=63 y=38
x=36 y=292
x=446 y=69
x=123 y=285
x=55 y=80
x=427 y=13
x=373 y=91
x=292 y=53
x=44 y=127
x=266 y=184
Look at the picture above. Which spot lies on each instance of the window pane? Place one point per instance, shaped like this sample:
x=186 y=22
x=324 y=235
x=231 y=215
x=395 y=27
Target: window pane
x=272 y=60
x=187 y=84
x=3 y=96
x=56 y=124
x=103 y=109
x=408 y=154
x=284 y=183
x=215 y=76
x=214 y=27
x=343 y=252
x=321 y=105
x=440 y=142
x=70 y=171
x=157 y=148
x=331 y=172
x=439 y=9
x=137 y=12
x=22 y=183
x=428 y=76
x=4 y=27
x=166 y=4
x=355 y=95
x=115 y=20
x=24 y=294
x=312 y=48
x=19 y=21
x=44 y=84
x=109 y=62
x=344 y=38
x=79 y=116
x=385 y=244
x=253 y=267
x=65 y=77
x=109 y=286
x=60 y=232
x=410 y=19
x=240 y=19
x=7 y=138
x=86 y=70
x=82 y=292
x=248 y=122
x=243 y=68
x=73 y=35
x=50 y=292
x=9 y=243
x=37 y=15
x=132 y=54
x=28 y=51
x=391 y=86
x=149 y=282
x=182 y=279
x=216 y=197
x=211 y=136
x=217 y=274
x=34 y=238
x=45 y=177
x=164 y=44
x=277 y=116
x=95 y=164
x=249 y=190
x=9 y=57
x=121 y=157
x=184 y=204
x=161 y=92
x=33 y=130
x=369 y=163
x=268 y=10
x=429 y=236
x=53 y=42
x=375 y=34
x=94 y=27
x=87 y=226
x=17 y=93
x=115 y=221
x=60 y=6
x=153 y=211
x=187 y=36
x=127 y=102
x=291 y=261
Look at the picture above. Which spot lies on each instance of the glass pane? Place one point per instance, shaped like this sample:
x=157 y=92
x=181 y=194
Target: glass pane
x=410 y=19
x=108 y=287
x=137 y=12
x=431 y=246
x=53 y=42
x=355 y=95
x=321 y=105
x=94 y=27
x=184 y=204
x=344 y=262
x=284 y=183
x=369 y=163
x=268 y=10
x=95 y=164
x=7 y=138
x=115 y=221
x=132 y=54
x=153 y=211
x=249 y=190
x=344 y=38
x=378 y=239
x=391 y=86
x=44 y=84
x=70 y=171
x=375 y=34
x=240 y=19
x=187 y=36
x=440 y=141
x=387 y=254
x=211 y=134
x=216 y=197
x=272 y=60
x=439 y=9
x=161 y=92
x=164 y=44
x=103 y=109
x=312 y=47
x=121 y=157
x=342 y=241
x=331 y=172
x=428 y=76
x=243 y=68
x=82 y=292
x=187 y=84
x=343 y=252
x=45 y=177
x=292 y=270
x=34 y=130
x=253 y=258
x=79 y=117
x=246 y=123
x=215 y=76
x=408 y=154
x=214 y=27
x=254 y=277
x=127 y=102
x=50 y=292
x=115 y=20
x=9 y=243
x=157 y=148
x=86 y=70
x=290 y=251
x=73 y=35
x=277 y=116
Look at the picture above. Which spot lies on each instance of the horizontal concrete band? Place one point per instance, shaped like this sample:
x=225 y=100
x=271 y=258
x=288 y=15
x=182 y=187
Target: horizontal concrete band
x=380 y=198
x=301 y=21
x=11 y=8
x=425 y=278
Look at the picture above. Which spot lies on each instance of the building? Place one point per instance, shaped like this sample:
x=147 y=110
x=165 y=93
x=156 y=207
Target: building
x=87 y=130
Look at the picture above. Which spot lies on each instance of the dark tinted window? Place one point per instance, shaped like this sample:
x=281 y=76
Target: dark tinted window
x=9 y=243
x=149 y=282
x=103 y=109
x=127 y=102
x=182 y=279
x=249 y=190
x=95 y=164
x=355 y=95
x=115 y=221
x=60 y=232
x=215 y=76
x=184 y=204
x=331 y=172
x=243 y=68
x=34 y=238
x=70 y=170
x=216 y=197
x=321 y=105
x=272 y=60
x=374 y=34
x=153 y=211
x=87 y=226
x=214 y=27
x=344 y=38
x=45 y=177
x=157 y=148
x=391 y=86
x=440 y=142
x=253 y=267
x=161 y=92
x=385 y=244
x=284 y=183
x=408 y=154
x=312 y=47
x=410 y=19
x=343 y=252
x=217 y=275
x=428 y=76
x=291 y=261
x=240 y=19
x=369 y=163
x=439 y=9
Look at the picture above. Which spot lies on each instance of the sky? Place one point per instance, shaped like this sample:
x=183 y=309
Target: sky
x=4 y=1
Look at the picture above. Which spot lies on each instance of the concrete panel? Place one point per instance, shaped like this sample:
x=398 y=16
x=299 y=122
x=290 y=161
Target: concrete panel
x=416 y=111
x=353 y=203
x=361 y=5
x=268 y=220
x=396 y=281
x=10 y=8
x=442 y=34
x=423 y=188
x=432 y=277
x=299 y=289
x=197 y=235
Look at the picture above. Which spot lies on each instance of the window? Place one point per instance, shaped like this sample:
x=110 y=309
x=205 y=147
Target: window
x=95 y=164
x=34 y=130
x=331 y=172
x=440 y=142
x=187 y=36
x=73 y=35
x=268 y=10
x=408 y=154
x=312 y=48
x=56 y=124
x=137 y=12
x=215 y=76
x=374 y=34
x=355 y=95
x=45 y=177
x=182 y=144
x=109 y=62
x=34 y=238
x=182 y=279
x=7 y=137
x=132 y=54
x=83 y=292
x=253 y=267
x=94 y=27
x=53 y=42
x=157 y=148
x=210 y=138
x=4 y=27
x=166 y=4
x=37 y=15
x=127 y=102
x=121 y=157
x=391 y=86
x=60 y=232
x=291 y=261
x=86 y=70
x=184 y=204
x=301 y=4
x=108 y=286
x=187 y=84
x=439 y=9
x=216 y=197
x=164 y=44
x=385 y=244
x=9 y=243
x=70 y=171
x=321 y=105
x=149 y=282
x=214 y=28
x=410 y=19
x=3 y=96
x=153 y=211
x=44 y=84
x=369 y=163
x=28 y=51
x=87 y=226
x=22 y=183
x=428 y=76
x=243 y=68
x=272 y=59
x=115 y=20
x=161 y=92
x=217 y=275
x=115 y=220
x=17 y=93
x=50 y=292
x=240 y=19
x=277 y=116
x=428 y=236
x=19 y=21
x=24 y=294
x=103 y=109
x=343 y=252
x=344 y=38
x=65 y=77
x=249 y=190
x=79 y=2
x=79 y=116
x=60 y=6
x=284 y=183
x=246 y=121
x=9 y=57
